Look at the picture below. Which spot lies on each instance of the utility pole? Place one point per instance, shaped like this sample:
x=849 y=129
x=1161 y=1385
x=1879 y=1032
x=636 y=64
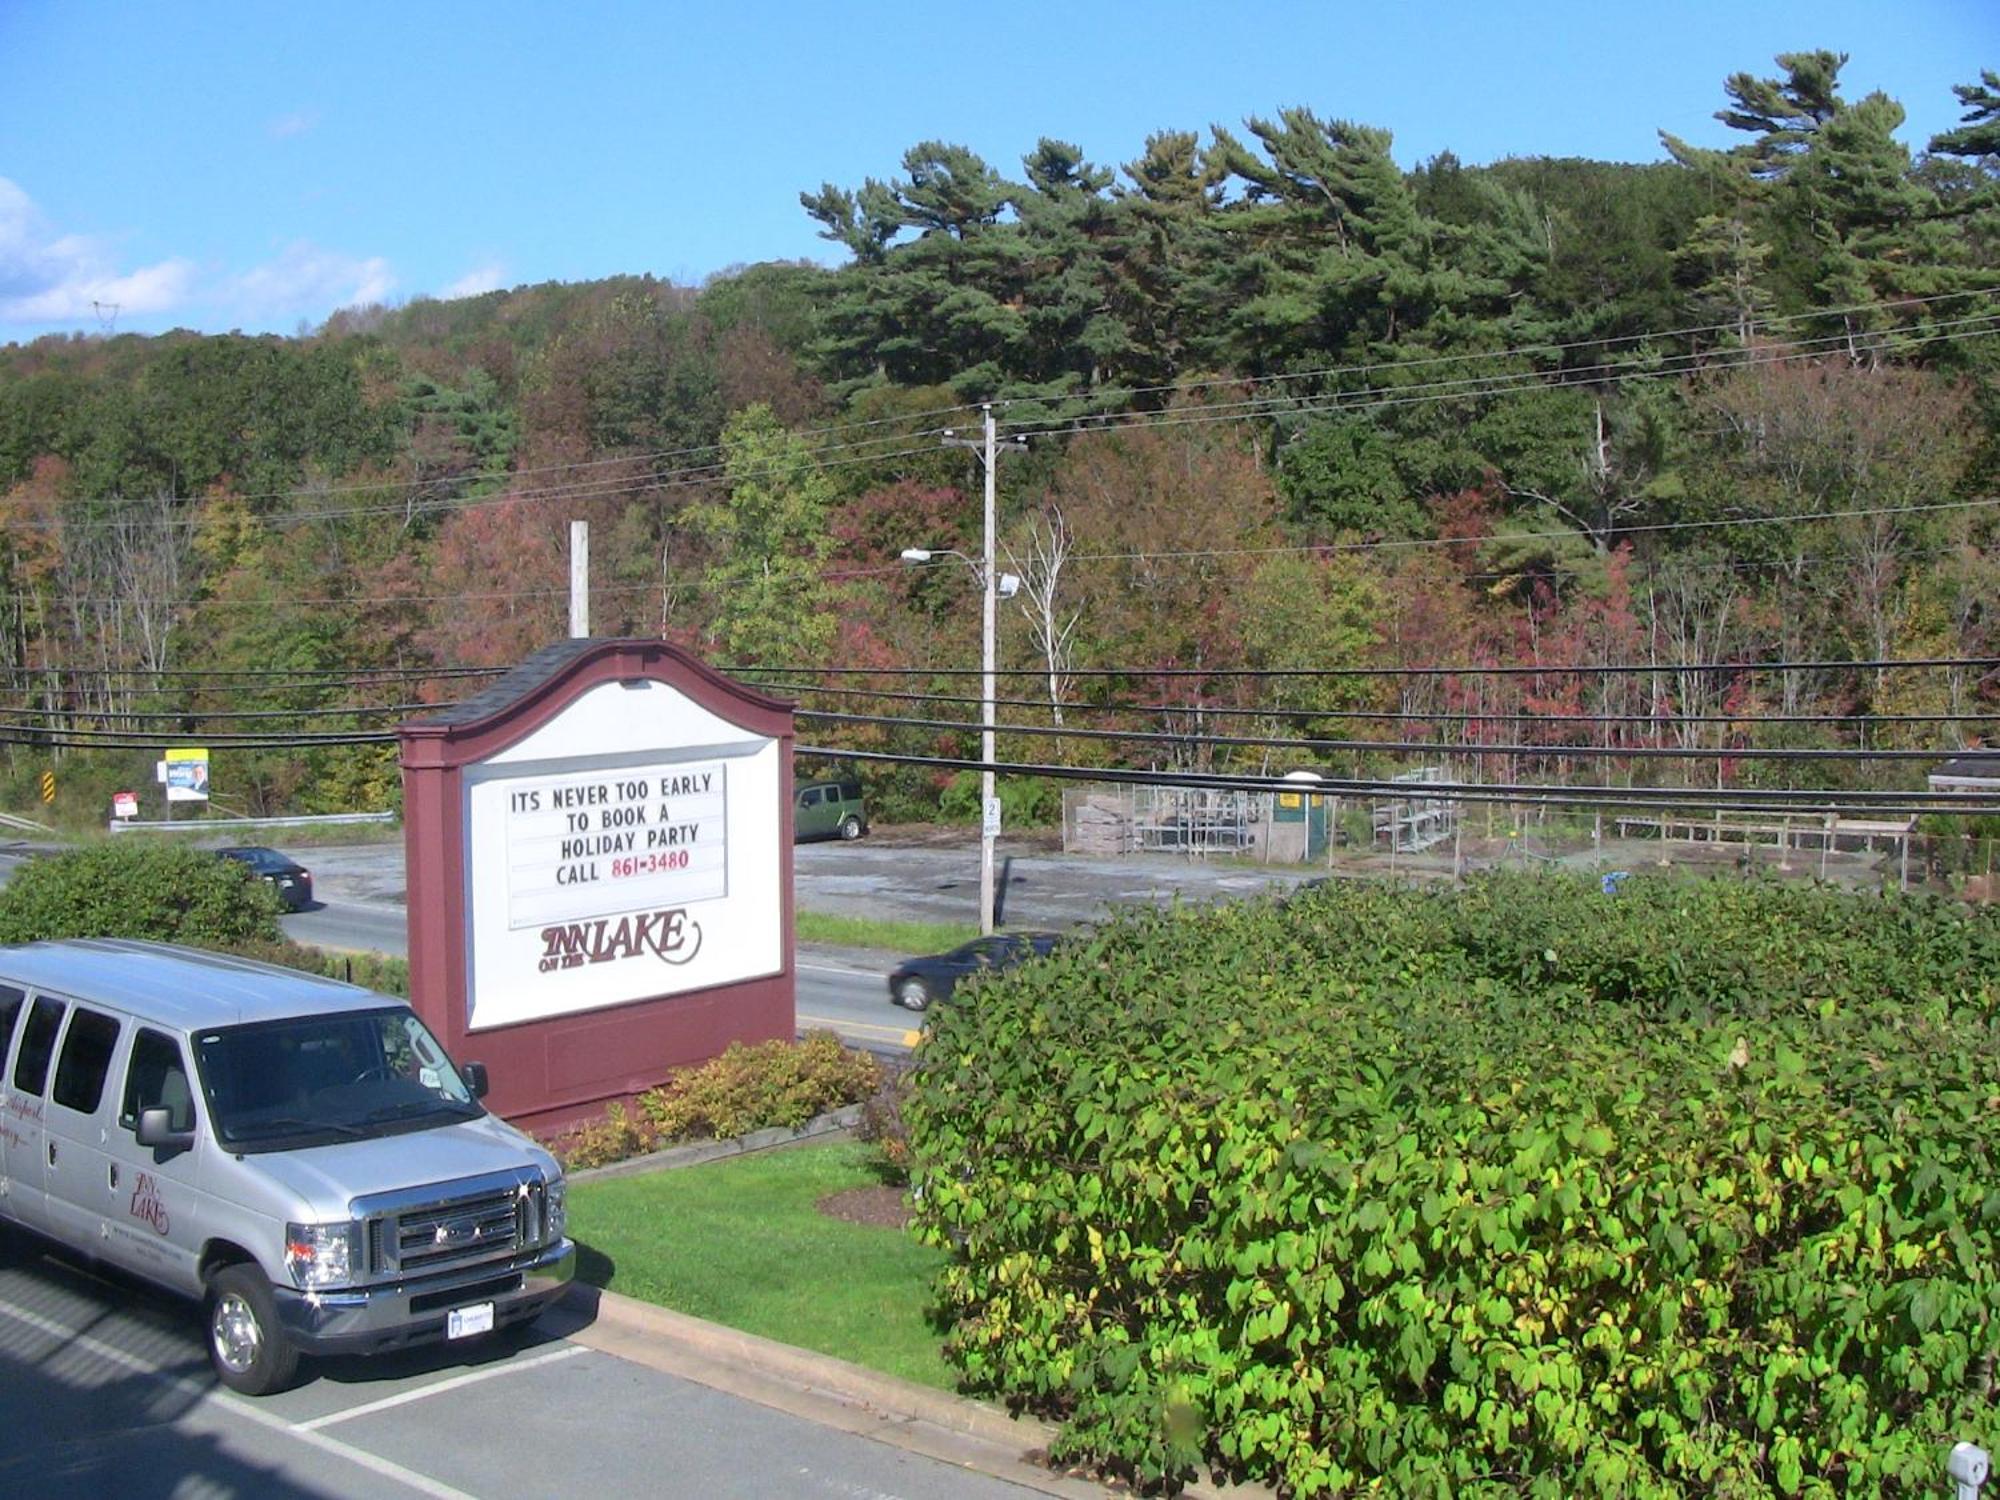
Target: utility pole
x=579 y=579
x=989 y=805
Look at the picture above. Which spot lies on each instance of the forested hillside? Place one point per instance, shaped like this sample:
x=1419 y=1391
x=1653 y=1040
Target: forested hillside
x=1288 y=409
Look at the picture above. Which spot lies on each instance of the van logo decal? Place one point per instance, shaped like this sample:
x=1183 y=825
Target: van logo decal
x=667 y=935
x=148 y=1207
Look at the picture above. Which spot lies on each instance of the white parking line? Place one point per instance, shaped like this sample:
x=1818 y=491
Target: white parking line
x=423 y=1484
x=456 y=1382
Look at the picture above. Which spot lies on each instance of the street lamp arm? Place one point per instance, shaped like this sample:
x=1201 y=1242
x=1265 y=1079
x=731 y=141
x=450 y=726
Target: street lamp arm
x=1005 y=585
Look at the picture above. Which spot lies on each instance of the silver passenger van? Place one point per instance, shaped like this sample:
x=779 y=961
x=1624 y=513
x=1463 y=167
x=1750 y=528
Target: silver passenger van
x=297 y=1153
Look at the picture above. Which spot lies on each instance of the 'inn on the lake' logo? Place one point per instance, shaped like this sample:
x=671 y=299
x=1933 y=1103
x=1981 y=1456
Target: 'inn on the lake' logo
x=667 y=935
x=148 y=1207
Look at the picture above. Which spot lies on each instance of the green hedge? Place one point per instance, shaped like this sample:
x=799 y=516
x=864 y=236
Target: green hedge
x=126 y=888
x=1690 y=1190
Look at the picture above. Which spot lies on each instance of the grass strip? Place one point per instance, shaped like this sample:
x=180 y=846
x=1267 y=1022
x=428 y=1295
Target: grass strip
x=741 y=1242
x=867 y=932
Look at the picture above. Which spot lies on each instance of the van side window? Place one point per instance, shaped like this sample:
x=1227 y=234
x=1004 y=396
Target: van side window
x=38 y=1045
x=10 y=1010
x=86 y=1059
x=156 y=1078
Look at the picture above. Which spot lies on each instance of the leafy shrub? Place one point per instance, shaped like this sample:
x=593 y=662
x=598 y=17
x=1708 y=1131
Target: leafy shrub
x=747 y=1088
x=1692 y=1190
x=882 y=1127
x=127 y=888
x=1025 y=801
x=616 y=1137
x=756 y=1087
x=381 y=972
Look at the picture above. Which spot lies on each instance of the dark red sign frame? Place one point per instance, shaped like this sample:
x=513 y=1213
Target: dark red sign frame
x=556 y=1072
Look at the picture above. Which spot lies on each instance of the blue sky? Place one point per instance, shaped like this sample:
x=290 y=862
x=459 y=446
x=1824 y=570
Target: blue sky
x=221 y=165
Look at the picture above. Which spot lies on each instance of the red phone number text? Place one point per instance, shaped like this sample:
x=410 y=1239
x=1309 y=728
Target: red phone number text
x=650 y=864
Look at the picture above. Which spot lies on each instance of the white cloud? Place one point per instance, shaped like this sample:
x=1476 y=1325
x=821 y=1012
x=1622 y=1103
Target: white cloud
x=480 y=279
x=298 y=122
x=306 y=281
x=50 y=278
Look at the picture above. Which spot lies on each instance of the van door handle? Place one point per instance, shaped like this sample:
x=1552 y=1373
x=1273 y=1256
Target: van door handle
x=52 y=1153
x=114 y=1174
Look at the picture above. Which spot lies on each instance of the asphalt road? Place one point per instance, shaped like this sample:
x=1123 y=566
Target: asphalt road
x=361 y=891
x=104 y=1391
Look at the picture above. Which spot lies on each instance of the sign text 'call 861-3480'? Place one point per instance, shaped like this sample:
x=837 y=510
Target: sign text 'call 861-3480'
x=589 y=843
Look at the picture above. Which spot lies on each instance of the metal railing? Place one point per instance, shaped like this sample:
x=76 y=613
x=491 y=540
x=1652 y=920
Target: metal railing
x=206 y=825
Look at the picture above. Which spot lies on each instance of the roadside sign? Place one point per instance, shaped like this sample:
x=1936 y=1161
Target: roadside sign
x=48 y=786
x=186 y=775
x=991 y=827
x=124 y=804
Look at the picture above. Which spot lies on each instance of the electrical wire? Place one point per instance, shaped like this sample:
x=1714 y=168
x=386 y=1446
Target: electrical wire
x=1802 y=802
x=1466 y=748
x=1983 y=663
x=1301 y=715
x=697 y=474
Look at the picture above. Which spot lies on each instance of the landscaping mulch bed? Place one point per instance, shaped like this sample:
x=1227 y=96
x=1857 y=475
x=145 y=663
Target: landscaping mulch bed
x=875 y=1204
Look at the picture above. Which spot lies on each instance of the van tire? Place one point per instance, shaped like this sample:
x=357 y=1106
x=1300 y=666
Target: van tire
x=246 y=1342
x=850 y=827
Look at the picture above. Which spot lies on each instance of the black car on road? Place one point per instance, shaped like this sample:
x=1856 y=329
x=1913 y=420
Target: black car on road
x=291 y=880
x=916 y=982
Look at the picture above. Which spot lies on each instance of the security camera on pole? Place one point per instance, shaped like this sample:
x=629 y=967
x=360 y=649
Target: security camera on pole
x=993 y=587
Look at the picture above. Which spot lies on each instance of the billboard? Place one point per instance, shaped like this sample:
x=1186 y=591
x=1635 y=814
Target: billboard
x=185 y=771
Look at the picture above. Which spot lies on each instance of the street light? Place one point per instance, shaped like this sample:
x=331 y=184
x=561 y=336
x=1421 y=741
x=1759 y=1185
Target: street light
x=993 y=586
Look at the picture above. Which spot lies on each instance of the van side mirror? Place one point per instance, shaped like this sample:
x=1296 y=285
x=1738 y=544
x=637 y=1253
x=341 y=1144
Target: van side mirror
x=475 y=1078
x=156 y=1129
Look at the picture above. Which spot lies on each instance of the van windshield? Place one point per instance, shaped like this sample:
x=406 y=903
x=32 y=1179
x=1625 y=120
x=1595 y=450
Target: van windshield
x=313 y=1080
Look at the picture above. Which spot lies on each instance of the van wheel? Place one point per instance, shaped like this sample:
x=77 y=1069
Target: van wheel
x=850 y=827
x=246 y=1343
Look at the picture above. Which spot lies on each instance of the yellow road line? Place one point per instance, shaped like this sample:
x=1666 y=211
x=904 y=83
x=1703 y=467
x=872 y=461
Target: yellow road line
x=865 y=1028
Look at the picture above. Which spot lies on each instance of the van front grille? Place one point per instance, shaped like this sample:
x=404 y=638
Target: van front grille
x=440 y=1236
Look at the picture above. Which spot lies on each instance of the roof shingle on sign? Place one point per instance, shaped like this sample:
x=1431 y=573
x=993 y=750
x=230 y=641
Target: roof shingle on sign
x=541 y=668
x=518 y=682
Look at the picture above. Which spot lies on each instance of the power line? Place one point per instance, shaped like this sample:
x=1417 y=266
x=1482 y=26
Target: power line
x=1496 y=384
x=1508 y=382
x=1799 y=802
x=1427 y=747
x=1664 y=717
x=1537 y=669
x=1521 y=351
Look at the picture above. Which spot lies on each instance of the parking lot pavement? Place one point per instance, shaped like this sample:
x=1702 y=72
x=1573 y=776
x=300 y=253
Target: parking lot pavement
x=104 y=1390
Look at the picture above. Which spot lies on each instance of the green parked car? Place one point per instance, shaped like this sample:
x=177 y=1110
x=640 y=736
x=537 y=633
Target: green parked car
x=829 y=809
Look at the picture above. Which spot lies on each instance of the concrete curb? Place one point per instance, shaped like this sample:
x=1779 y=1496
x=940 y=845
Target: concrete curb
x=819 y=1387
x=820 y=1127
x=839 y=1393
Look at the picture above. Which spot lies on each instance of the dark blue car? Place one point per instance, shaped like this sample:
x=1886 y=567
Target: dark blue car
x=916 y=982
x=291 y=880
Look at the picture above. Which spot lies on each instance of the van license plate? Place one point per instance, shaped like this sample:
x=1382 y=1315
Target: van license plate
x=464 y=1322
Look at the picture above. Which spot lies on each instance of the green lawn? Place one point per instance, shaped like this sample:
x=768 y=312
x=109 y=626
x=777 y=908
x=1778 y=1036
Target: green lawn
x=740 y=1242
x=868 y=932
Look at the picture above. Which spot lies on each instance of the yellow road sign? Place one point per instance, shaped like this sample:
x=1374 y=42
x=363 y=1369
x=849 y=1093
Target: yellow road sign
x=48 y=786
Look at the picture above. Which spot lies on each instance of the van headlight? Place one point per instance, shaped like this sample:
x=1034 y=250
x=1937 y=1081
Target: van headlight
x=320 y=1254
x=557 y=1222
